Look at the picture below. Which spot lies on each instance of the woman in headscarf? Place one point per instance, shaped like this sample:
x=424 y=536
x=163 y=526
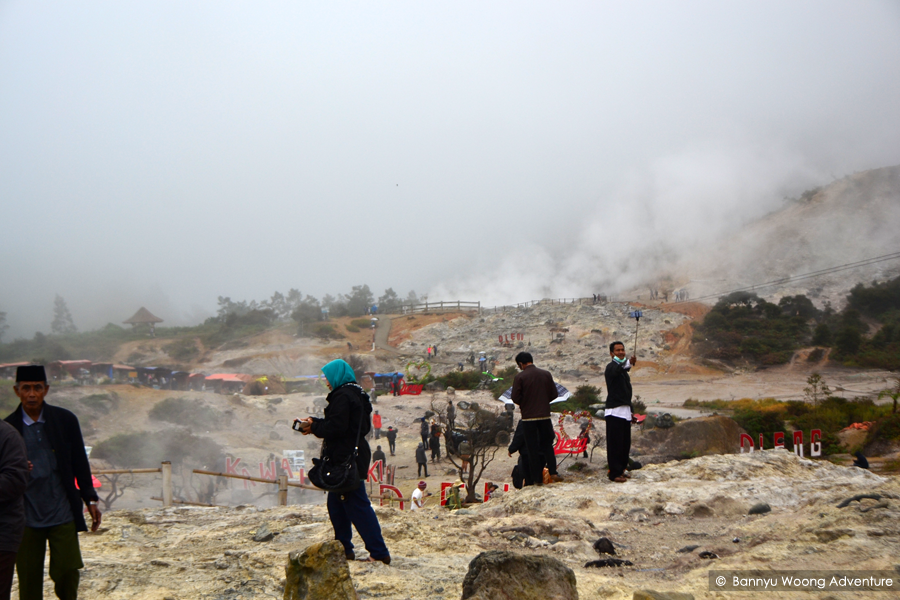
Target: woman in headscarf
x=348 y=414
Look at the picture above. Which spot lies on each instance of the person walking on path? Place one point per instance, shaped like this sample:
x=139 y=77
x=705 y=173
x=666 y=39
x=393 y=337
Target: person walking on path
x=376 y=424
x=533 y=389
x=13 y=483
x=421 y=460
x=395 y=383
x=618 y=413
x=391 y=435
x=54 y=507
x=346 y=415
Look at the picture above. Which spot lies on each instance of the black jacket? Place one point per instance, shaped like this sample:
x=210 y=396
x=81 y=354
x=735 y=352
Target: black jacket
x=64 y=433
x=346 y=406
x=13 y=482
x=618 y=385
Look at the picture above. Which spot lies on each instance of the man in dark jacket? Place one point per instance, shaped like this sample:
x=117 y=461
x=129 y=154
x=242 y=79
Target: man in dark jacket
x=618 y=413
x=53 y=505
x=533 y=389
x=391 y=435
x=13 y=483
x=379 y=455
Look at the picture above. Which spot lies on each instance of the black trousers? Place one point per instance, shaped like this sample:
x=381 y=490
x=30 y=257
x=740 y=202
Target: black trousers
x=618 y=445
x=540 y=439
x=7 y=566
x=392 y=445
x=425 y=467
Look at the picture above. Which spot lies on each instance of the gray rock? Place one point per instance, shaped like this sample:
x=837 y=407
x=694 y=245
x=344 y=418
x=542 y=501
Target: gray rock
x=654 y=595
x=759 y=509
x=497 y=574
x=435 y=386
x=699 y=510
x=263 y=534
x=687 y=549
x=319 y=573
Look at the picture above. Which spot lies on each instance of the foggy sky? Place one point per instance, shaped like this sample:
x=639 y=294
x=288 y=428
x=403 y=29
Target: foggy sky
x=165 y=153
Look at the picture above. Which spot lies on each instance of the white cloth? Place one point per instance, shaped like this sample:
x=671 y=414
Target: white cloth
x=417 y=499
x=621 y=412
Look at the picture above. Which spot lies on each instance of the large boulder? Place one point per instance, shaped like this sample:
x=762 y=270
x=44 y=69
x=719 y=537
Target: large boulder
x=501 y=574
x=319 y=573
x=693 y=437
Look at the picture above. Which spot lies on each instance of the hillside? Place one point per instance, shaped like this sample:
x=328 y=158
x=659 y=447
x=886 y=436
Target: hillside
x=851 y=219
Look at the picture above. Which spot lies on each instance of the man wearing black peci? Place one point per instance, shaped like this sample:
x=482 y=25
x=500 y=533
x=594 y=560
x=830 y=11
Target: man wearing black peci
x=533 y=389
x=53 y=505
x=618 y=413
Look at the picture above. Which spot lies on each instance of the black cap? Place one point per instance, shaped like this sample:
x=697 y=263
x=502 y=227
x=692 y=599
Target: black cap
x=31 y=373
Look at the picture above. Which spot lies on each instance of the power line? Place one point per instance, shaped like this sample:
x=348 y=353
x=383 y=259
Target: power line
x=810 y=275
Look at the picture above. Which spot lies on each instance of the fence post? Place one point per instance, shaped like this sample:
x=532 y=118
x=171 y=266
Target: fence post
x=282 y=490
x=167 y=482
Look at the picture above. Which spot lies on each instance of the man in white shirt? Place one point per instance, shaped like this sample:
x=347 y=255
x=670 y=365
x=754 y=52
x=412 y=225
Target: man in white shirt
x=418 y=496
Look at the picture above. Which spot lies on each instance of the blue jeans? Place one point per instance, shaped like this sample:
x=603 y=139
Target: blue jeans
x=354 y=508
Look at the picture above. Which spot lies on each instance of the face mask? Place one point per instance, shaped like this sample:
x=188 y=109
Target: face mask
x=621 y=361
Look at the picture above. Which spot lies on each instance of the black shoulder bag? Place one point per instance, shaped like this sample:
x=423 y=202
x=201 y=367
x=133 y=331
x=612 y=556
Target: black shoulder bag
x=331 y=476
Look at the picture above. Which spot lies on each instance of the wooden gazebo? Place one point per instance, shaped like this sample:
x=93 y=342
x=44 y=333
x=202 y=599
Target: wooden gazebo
x=144 y=317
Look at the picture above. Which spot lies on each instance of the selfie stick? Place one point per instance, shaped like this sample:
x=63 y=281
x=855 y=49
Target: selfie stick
x=636 y=315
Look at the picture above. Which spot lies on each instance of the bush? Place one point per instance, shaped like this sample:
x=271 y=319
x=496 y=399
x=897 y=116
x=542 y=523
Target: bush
x=182 y=411
x=361 y=323
x=352 y=328
x=145 y=449
x=183 y=350
x=461 y=380
x=325 y=331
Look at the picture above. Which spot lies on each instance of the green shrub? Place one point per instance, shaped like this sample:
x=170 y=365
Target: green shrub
x=146 y=449
x=461 y=380
x=325 y=331
x=181 y=411
x=352 y=328
x=182 y=350
x=361 y=323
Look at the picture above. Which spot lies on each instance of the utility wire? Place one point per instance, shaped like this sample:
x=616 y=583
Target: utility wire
x=810 y=275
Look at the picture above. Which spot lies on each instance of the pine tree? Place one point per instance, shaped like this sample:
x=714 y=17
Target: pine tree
x=62 y=319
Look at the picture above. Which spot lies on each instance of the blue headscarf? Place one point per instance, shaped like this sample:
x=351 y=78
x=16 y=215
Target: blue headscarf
x=338 y=372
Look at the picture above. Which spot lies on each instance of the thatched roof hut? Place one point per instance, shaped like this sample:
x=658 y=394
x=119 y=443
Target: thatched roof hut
x=142 y=317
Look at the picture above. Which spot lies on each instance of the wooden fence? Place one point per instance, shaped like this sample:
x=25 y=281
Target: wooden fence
x=441 y=306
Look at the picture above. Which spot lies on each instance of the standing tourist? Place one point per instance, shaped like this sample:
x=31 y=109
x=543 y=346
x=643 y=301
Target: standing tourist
x=342 y=430
x=376 y=423
x=451 y=414
x=391 y=435
x=13 y=483
x=379 y=455
x=53 y=505
x=424 y=431
x=533 y=389
x=421 y=460
x=618 y=412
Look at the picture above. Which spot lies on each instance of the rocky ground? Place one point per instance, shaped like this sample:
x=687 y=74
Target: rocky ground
x=661 y=521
